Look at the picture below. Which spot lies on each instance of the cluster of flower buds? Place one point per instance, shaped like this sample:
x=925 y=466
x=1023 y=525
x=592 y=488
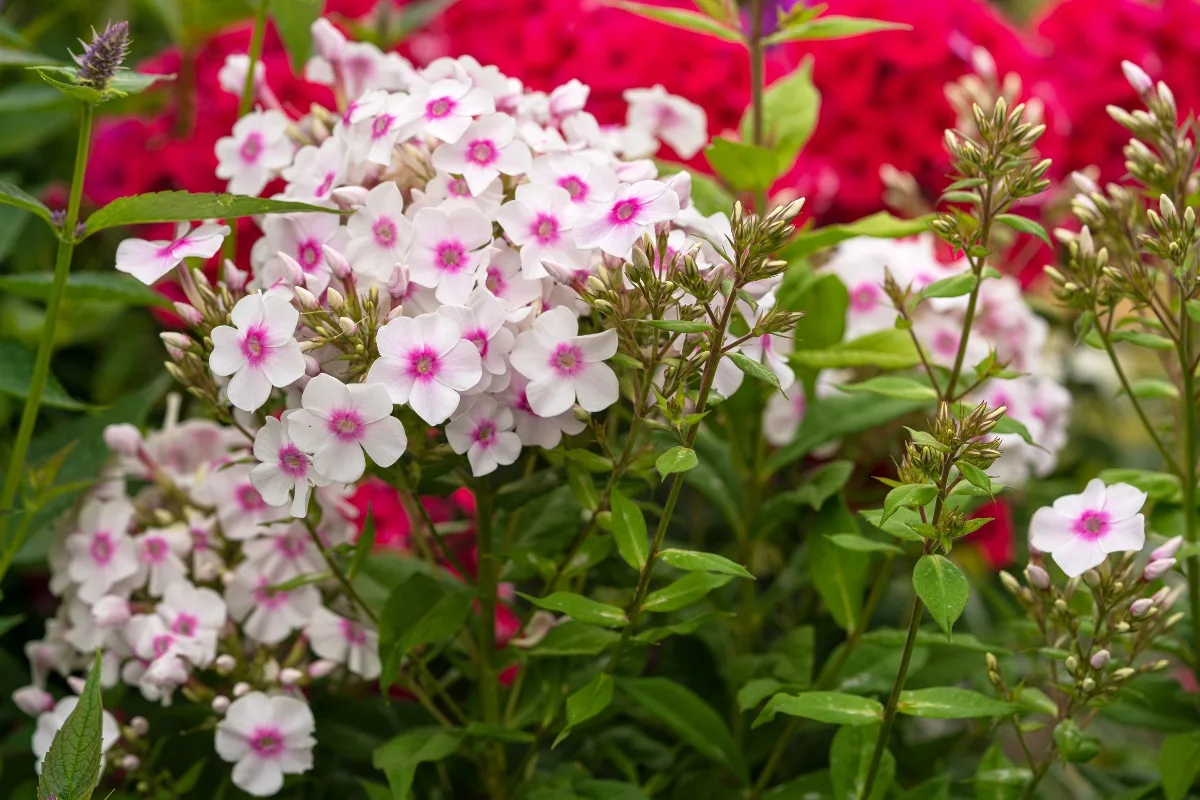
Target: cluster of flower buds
x=103 y=56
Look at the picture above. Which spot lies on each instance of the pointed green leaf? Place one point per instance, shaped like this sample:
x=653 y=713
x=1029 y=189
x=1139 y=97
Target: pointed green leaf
x=419 y=610
x=187 y=206
x=834 y=708
x=755 y=369
x=571 y=638
x=1024 y=225
x=13 y=195
x=832 y=26
x=850 y=763
x=595 y=696
x=790 y=108
x=861 y=544
x=975 y=476
x=755 y=691
x=1179 y=764
x=886 y=349
x=581 y=609
x=893 y=386
x=907 y=495
x=677 y=459
x=954 y=286
x=398 y=758
x=745 y=167
x=16 y=374
x=951 y=702
x=629 y=530
x=881 y=225
x=364 y=545
x=692 y=561
x=942 y=588
x=678 y=326
x=681 y=18
x=103 y=287
x=294 y=19
x=71 y=769
x=682 y=593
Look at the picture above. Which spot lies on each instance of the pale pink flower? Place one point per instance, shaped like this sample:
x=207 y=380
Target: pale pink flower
x=376 y=135
x=539 y=220
x=285 y=473
x=445 y=108
x=259 y=352
x=100 y=552
x=484 y=431
x=338 y=422
x=505 y=278
x=568 y=99
x=446 y=191
x=160 y=553
x=448 y=250
x=1080 y=530
x=345 y=642
x=268 y=615
x=284 y=555
x=532 y=430
x=302 y=237
x=241 y=510
x=486 y=149
x=564 y=367
x=266 y=738
x=194 y=615
x=49 y=722
x=379 y=233
x=317 y=171
x=258 y=149
x=615 y=225
x=426 y=363
x=585 y=179
x=481 y=322
x=150 y=260
x=783 y=415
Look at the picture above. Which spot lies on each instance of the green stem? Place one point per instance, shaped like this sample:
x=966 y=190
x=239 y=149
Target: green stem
x=487 y=571
x=757 y=86
x=41 y=364
x=1039 y=772
x=1189 y=475
x=416 y=509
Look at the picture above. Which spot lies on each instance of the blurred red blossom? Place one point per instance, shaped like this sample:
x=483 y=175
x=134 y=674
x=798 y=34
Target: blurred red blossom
x=995 y=541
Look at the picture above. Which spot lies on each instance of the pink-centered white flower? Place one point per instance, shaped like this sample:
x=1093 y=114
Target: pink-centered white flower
x=445 y=108
x=317 y=171
x=379 y=233
x=303 y=238
x=448 y=250
x=346 y=642
x=241 y=510
x=260 y=351
x=268 y=615
x=338 y=422
x=533 y=430
x=258 y=149
x=100 y=553
x=484 y=431
x=539 y=221
x=284 y=555
x=487 y=149
x=426 y=363
x=615 y=225
x=1080 y=530
x=586 y=180
x=266 y=737
x=679 y=122
x=194 y=614
x=376 y=135
x=150 y=260
x=481 y=322
x=564 y=367
x=285 y=473
x=160 y=554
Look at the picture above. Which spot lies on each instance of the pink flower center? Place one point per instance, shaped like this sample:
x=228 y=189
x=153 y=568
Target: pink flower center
x=308 y=253
x=169 y=250
x=101 y=548
x=864 y=297
x=485 y=434
x=945 y=342
x=199 y=539
x=482 y=152
x=266 y=742
x=523 y=403
x=545 y=229
x=575 y=187
x=353 y=633
x=252 y=148
x=495 y=281
x=457 y=187
x=326 y=185
x=567 y=360
x=290 y=546
x=439 y=107
x=346 y=425
x=385 y=233
x=479 y=338
x=423 y=364
x=381 y=126
x=267 y=598
x=249 y=498
x=254 y=345
x=154 y=549
x=162 y=643
x=451 y=256
x=1092 y=525
x=185 y=625
x=292 y=462
x=624 y=211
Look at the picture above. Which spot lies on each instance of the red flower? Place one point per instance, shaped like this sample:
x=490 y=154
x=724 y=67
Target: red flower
x=995 y=540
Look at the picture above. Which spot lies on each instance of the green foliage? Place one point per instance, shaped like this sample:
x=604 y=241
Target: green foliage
x=399 y=757
x=951 y=702
x=102 y=287
x=943 y=589
x=745 y=167
x=629 y=530
x=790 y=108
x=834 y=708
x=832 y=27
x=187 y=206
x=72 y=766
x=419 y=610
x=293 y=19
x=581 y=609
x=17 y=376
x=682 y=18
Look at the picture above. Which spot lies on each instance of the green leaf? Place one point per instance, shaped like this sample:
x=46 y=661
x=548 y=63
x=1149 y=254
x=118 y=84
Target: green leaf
x=581 y=608
x=834 y=708
x=1024 y=225
x=101 y=287
x=122 y=84
x=822 y=298
x=419 y=610
x=1154 y=388
x=1157 y=485
x=498 y=733
x=950 y=702
x=677 y=459
x=13 y=195
x=17 y=374
x=629 y=530
x=838 y=575
x=1074 y=745
x=881 y=225
x=755 y=691
x=1179 y=764
x=942 y=588
x=1151 y=341
x=186 y=206
x=887 y=349
x=975 y=476
x=686 y=628
x=571 y=638
x=755 y=369
x=592 y=462
x=832 y=26
x=12 y=57
x=678 y=325
x=896 y=386
x=689 y=717
x=907 y=495
x=997 y=778
x=744 y=167
x=814 y=490
x=399 y=757
x=682 y=593
x=294 y=19
x=790 y=108
x=1009 y=425
x=364 y=545
x=681 y=18
x=861 y=544
x=72 y=766
x=595 y=696
x=850 y=762
x=692 y=561
x=954 y=286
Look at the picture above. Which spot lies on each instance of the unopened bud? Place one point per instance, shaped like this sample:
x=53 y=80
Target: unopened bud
x=1167 y=208
x=1167 y=549
x=1061 y=606
x=130 y=762
x=1160 y=665
x=321 y=668
x=241 y=688
x=1157 y=568
x=1121 y=627
x=179 y=341
x=139 y=725
x=1084 y=183
x=1140 y=607
x=350 y=197
x=1072 y=664
x=312 y=367
x=307 y=299
x=1088 y=685
x=1100 y=659
x=293 y=273
x=270 y=671
x=335 y=300
x=992 y=664
x=983 y=63
x=1038 y=578
x=76 y=683
x=220 y=703
x=188 y=314
x=1009 y=582
x=290 y=676
x=1137 y=77
x=123 y=438
x=337 y=262
x=1123 y=673
x=1173 y=619
x=233 y=277
x=33 y=700
x=398 y=282
x=348 y=326
x=1092 y=578
x=225 y=664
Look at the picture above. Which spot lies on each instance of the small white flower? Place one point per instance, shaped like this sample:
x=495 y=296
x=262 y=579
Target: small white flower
x=538 y=220
x=484 y=431
x=194 y=615
x=160 y=554
x=150 y=260
x=1080 y=530
x=260 y=352
x=338 y=422
x=240 y=509
x=568 y=99
x=49 y=722
x=533 y=430
x=585 y=180
x=302 y=237
x=680 y=123
x=284 y=556
x=266 y=738
x=267 y=615
x=505 y=278
x=317 y=171
x=258 y=149
x=481 y=322
x=449 y=249
x=376 y=135
x=563 y=366
x=445 y=108
x=101 y=553
x=379 y=233
x=615 y=225
x=346 y=642
x=487 y=149
x=285 y=473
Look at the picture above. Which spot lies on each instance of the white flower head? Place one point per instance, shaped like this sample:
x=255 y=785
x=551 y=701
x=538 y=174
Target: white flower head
x=379 y=233
x=268 y=615
x=285 y=473
x=679 y=122
x=449 y=249
x=266 y=737
x=486 y=149
x=160 y=554
x=338 y=422
x=150 y=260
x=256 y=152
x=194 y=615
x=445 y=108
x=101 y=553
x=533 y=430
x=484 y=431
x=539 y=220
x=1080 y=530
x=564 y=367
x=615 y=225
x=259 y=352
x=346 y=642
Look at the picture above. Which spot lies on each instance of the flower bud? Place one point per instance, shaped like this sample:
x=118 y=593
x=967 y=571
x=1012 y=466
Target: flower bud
x=179 y=341
x=103 y=57
x=681 y=184
x=328 y=41
x=1088 y=685
x=1167 y=549
x=350 y=197
x=321 y=668
x=292 y=272
x=558 y=272
x=189 y=314
x=290 y=676
x=1160 y=665
x=1121 y=627
x=1061 y=606
x=220 y=703
x=1072 y=664
x=1009 y=582
x=348 y=326
x=33 y=700
x=307 y=299
x=1038 y=578
x=1092 y=578
x=312 y=367
x=992 y=664
x=1140 y=607
x=123 y=439
x=1084 y=183
x=130 y=762
x=270 y=671
x=1157 y=568
x=983 y=63
x=232 y=77
x=233 y=277
x=334 y=299
x=398 y=282
x=1123 y=673
x=1173 y=619
x=1137 y=77
x=139 y=725
x=337 y=262
x=225 y=664
x=241 y=688
x=110 y=611
x=1100 y=659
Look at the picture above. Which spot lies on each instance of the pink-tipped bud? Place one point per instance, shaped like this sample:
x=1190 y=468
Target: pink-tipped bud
x=189 y=314
x=289 y=676
x=1138 y=608
x=1038 y=578
x=348 y=326
x=234 y=278
x=220 y=704
x=307 y=299
x=558 y=272
x=328 y=41
x=398 y=282
x=568 y=99
x=130 y=762
x=110 y=611
x=1137 y=77
x=176 y=340
x=681 y=184
x=33 y=700
x=241 y=688
x=312 y=367
x=139 y=725
x=1100 y=659
x=350 y=198
x=225 y=664
x=293 y=273
x=232 y=77
x=321 y=668
x=395 y=313
x=1157 y=568
x=1167 y=549
x=334 y=299
x=983 y=63
x=337 y=263
x=124 y=439
x=76 y=683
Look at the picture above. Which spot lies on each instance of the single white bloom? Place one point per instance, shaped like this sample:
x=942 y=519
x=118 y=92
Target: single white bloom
x=425 y=362
x=487 y=149
x=505 y=278
x=1080 y=530
x=481 y=322
x=445 y=108
x=379 y=233
x=317 y=171
x=268 y=616
x=449 y=248
x=538 y=221
x=232 y=76
x=240 y=508
x=615 y=225
x=302 y=237
x=346 y=642
x=266 y=738
x=150 y=260
x=375 y=136
x=679 y=122
x=160 y=554
x=338 y=422
x=563 y=366
x=446 y=191
x=568 y=99
x=101 y=553
x=484 y=431
x=259 y=352
x=49 y=722
x=585 y=180
x=258 y=149
x=285 y=555
x=285 y=473
x=196 y=615
x=532 y=430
